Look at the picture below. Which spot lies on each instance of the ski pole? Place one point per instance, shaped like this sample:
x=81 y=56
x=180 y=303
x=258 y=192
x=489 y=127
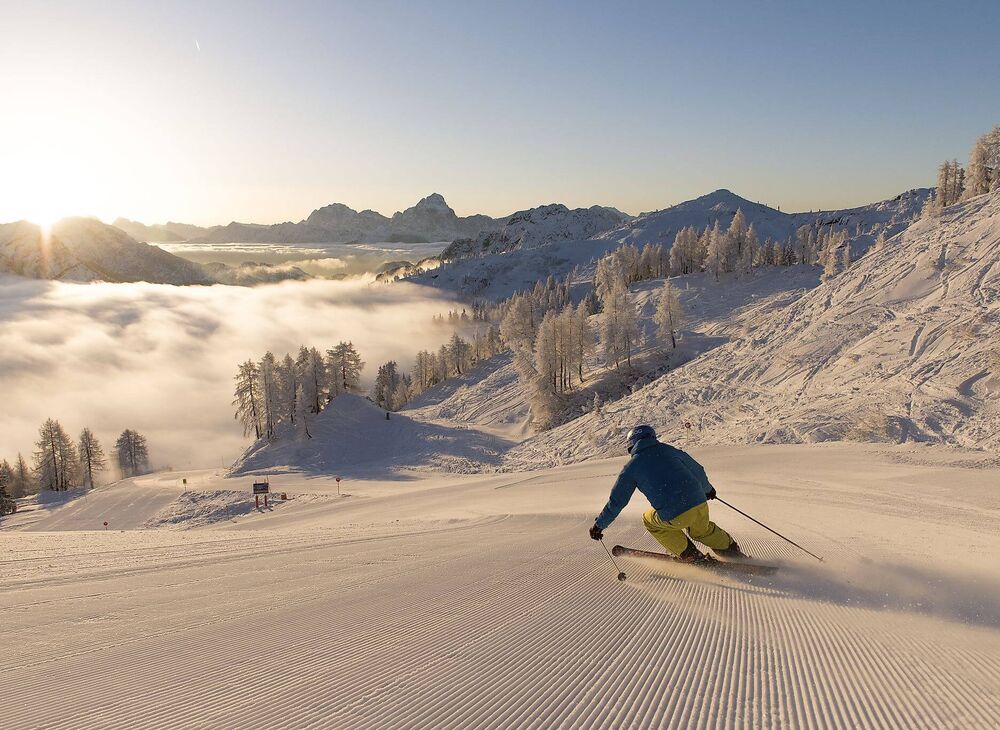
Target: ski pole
x=621 y=575
x=768 y=529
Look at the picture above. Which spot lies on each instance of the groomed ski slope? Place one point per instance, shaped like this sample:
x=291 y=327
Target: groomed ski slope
x=478 y=601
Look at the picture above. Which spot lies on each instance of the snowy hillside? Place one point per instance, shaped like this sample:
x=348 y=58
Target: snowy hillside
x=721 y=205
x=84 y=249
x=352 y=436
x=490 y=395
x=900 y=347
x=431 y=219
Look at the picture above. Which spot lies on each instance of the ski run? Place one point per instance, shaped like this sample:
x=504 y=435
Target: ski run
x=416 y=599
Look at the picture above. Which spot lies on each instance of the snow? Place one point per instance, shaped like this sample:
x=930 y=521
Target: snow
x=478 y=601
x=353 y=436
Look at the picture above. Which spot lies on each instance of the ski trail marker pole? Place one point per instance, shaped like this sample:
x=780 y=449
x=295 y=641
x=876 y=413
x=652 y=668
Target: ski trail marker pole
x=719 y=499
x=621 y=575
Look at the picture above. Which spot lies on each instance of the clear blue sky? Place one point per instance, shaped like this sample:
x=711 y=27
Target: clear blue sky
x=213 y=111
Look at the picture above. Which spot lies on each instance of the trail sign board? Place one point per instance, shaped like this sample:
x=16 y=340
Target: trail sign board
x=261 y=487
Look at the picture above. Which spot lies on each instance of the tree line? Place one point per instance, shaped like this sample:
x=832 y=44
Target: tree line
x=955 y=183
x=552 y=338
x=270 y=392
x=59 y=463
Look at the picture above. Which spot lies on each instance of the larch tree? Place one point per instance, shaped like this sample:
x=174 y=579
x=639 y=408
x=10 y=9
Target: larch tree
x=669 y=315
x=983 y=174
x=22 y=477
x=55 y=457
x=950 y=184
x=132 y=453
x=619 y=325
x=303 y=412
x=458 y=354
x=6 y=482
x=386 y=381
x=583 y=337
x=344 y=365
x=92 y=458
x=247 y=398
x=313 y=377
x=717 y=253
x=288 y=379
x=270 y=394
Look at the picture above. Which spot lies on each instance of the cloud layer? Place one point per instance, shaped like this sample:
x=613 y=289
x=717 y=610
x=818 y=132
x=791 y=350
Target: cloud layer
x=161 y=359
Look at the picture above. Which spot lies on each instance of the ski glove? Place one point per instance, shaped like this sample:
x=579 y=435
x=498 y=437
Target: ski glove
x=596 y=533
x=710 y=494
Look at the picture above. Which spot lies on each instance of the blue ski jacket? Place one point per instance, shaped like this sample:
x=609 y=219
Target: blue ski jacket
x=671 y=480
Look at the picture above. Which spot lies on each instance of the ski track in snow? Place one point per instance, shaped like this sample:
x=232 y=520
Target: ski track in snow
x=509 y=618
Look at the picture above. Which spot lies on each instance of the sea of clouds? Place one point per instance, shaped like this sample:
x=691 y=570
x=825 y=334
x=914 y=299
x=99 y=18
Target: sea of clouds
x=161 y=359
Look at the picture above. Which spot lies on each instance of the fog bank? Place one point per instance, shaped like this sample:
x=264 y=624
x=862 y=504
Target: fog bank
x=161 y=359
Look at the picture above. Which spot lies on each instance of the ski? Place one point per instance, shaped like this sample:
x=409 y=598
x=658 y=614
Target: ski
x=723 y=566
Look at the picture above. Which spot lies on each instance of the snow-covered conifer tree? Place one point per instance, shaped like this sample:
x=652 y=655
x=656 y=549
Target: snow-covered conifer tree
x=619 y=325
x=717 y=251
x=518 y=325
x=669 y=315
x=750 y=252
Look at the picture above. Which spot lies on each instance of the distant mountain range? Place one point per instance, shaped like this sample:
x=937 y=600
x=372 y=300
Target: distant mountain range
x=431 y=219
x=487 y=257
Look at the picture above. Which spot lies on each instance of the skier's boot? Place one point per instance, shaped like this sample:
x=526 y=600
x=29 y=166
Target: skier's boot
x=733 y=551
x=692 y=554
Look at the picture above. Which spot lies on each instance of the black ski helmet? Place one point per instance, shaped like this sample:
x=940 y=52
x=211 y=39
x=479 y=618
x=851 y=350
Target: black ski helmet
x=637 y=434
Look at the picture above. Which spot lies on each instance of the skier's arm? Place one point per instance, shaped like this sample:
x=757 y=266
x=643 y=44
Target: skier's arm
x=621 y=493
x=699 y=472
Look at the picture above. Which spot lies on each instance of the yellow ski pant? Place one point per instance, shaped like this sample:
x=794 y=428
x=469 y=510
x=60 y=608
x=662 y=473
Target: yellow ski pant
x=670 y=533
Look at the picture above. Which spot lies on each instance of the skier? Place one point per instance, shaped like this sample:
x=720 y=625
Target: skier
x=677 y=488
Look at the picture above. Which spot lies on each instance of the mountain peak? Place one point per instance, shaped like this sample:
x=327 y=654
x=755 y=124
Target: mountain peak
x=434 y=200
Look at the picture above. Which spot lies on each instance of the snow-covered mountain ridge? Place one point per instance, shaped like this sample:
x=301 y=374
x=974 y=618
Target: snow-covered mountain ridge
x=900 y=347
x=431 y=219
x=537 y=245
x=538 y=227
x=84 y=249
